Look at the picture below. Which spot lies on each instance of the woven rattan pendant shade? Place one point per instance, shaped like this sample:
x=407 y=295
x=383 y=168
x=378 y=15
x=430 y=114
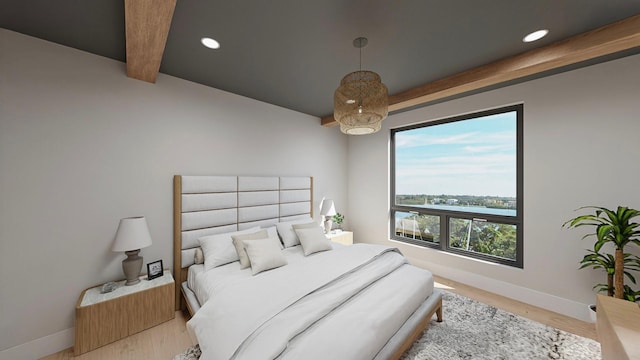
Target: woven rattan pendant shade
x=361 y=101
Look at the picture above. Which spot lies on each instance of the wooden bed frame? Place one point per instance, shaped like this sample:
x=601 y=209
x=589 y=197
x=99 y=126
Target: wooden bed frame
x=288 y=210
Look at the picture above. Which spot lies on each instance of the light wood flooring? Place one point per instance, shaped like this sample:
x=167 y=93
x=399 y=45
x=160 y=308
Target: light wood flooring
x=158 y=343
x=169 y=339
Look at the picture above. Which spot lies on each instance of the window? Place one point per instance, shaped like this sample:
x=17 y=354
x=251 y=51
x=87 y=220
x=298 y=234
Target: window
x=456 y=185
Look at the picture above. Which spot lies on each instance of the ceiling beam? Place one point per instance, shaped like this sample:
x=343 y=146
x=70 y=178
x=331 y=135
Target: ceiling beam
x=147 y=24
x=606 y=40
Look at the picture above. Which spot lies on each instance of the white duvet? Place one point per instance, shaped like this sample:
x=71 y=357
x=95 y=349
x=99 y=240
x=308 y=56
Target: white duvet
x=340 y=304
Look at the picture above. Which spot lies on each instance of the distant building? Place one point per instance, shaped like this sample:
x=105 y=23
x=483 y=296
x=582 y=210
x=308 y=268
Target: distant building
x=452 y=201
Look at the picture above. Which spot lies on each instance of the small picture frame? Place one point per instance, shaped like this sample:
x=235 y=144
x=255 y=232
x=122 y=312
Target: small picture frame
x=154 y=270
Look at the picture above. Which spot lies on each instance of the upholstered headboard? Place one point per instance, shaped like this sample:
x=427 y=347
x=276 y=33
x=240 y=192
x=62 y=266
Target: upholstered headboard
x=207 y=205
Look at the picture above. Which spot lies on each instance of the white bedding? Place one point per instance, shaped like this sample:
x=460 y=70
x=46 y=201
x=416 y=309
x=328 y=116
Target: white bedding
x=204 y=284
x=344 y=303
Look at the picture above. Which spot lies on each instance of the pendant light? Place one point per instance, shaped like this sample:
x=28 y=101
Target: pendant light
x=361 y=101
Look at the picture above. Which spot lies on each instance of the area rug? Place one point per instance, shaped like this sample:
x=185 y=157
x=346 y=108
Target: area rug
x=473 y=330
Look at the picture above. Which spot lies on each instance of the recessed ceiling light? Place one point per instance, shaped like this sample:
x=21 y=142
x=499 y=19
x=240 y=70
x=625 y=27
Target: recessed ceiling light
x=536 y=35
x=210 y=43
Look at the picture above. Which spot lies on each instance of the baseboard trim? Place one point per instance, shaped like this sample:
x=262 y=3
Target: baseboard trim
x=41 y=347
x=546 y=301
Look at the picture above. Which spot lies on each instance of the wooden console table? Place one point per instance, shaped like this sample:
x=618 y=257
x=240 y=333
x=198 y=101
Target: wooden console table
x=618 y=325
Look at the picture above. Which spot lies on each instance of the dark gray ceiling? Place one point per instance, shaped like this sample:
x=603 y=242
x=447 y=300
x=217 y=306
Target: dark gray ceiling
x=293 y=53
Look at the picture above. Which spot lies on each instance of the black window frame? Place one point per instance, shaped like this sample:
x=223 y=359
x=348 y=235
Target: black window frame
x=445 y=215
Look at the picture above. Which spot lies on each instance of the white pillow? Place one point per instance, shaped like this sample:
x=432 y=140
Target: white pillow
x=313 y=240
x=273 y=231
x=287 y=234
x=264 y=254
x=237 y=242
x=198 y=258
x=311 y=225
x=218 y=249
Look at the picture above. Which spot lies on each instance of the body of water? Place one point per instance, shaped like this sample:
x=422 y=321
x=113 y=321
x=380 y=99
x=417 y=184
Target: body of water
x=479 y=210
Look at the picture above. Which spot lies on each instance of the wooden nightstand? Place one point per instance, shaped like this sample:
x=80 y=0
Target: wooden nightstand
x=342 y=237
x=104 y=318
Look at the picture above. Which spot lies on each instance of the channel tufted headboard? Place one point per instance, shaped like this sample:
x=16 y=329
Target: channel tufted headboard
x=207 y=205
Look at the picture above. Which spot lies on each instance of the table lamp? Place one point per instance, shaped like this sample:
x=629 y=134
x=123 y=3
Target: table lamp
x=327 y=210
x=133 y=235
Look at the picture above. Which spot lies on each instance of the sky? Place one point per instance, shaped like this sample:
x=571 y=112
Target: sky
x=469 y=157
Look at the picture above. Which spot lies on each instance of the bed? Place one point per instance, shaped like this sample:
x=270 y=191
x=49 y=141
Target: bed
x=301 y=296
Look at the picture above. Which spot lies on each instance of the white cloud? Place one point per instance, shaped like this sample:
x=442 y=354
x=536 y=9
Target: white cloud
x=489 y=174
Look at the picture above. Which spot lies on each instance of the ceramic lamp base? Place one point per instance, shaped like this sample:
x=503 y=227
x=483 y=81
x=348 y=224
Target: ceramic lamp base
x=132 y=266
x=328 y=224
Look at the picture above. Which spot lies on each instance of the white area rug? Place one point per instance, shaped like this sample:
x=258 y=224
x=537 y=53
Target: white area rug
x=473 y=330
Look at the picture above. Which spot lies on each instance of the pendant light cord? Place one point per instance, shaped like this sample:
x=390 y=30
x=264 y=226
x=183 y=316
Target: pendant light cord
x=360 y=58
x=360 y=43
x=360 y=87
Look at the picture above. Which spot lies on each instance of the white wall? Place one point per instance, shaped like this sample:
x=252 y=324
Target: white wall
x=580 y=148
x=82 y=145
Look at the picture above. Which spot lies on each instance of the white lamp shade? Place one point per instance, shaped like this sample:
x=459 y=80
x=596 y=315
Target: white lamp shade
x=133 y=234
x=328 y=209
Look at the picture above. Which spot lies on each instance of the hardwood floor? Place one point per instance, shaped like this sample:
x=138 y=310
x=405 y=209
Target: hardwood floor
x=169 y=339
x=160 y=342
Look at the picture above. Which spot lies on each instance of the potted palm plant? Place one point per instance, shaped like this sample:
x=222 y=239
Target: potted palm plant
x=606 y=262
x=617 y=228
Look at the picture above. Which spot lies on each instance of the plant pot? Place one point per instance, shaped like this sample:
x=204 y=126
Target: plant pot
x=592 y=312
